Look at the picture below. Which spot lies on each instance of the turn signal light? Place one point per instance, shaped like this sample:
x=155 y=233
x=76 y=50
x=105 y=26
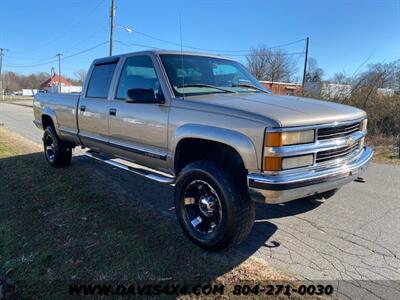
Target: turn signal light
x=272 y=163
x=273 y=139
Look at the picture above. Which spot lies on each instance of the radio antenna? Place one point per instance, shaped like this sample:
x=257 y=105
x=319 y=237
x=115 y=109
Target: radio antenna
x=183 y=71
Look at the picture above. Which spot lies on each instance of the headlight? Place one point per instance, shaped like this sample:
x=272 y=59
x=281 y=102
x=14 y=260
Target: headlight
x=286 y=163
x=363 y=126
x=278 y=139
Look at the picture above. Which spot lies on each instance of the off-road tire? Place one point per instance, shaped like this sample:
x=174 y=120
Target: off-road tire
x=60 y=154
x=237 y=209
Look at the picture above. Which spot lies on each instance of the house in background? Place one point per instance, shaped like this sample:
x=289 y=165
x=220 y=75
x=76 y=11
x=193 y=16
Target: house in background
x=283 y=88
x=52 y=85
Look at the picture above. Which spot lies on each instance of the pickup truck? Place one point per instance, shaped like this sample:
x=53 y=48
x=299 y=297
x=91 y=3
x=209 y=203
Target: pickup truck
x=205 y=125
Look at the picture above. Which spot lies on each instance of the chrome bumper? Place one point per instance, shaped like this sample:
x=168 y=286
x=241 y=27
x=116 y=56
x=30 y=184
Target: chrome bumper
x=283 y=188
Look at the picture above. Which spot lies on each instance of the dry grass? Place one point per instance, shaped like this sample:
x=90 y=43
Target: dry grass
x=384 y=150
x=14 y=144
x=58 y=225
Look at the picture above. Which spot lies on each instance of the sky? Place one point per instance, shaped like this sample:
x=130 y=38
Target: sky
x=345 y=35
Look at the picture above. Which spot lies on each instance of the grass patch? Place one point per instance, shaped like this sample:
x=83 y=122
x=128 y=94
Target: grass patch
x=385 y=150
x=58 y=225
x=385 y=156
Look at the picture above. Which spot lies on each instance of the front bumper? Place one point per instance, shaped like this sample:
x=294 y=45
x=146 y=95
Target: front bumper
x=283 y=188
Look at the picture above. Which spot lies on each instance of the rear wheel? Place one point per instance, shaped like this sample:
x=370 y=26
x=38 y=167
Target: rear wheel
x=212 y=210
x=57 y=152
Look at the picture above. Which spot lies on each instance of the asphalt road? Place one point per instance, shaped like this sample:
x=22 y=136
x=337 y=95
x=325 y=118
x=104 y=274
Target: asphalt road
x=352 y=240
x=20 y=119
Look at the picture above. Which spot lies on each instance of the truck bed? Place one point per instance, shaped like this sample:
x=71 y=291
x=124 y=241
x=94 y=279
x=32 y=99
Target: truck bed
x=64 y=106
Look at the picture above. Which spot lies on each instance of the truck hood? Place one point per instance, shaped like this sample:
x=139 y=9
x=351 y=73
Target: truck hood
x=285 y=110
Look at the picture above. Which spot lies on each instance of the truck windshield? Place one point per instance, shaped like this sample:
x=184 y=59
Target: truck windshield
x=192 y=75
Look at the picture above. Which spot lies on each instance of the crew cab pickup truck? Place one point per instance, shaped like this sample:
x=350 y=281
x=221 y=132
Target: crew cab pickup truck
x=204 y=124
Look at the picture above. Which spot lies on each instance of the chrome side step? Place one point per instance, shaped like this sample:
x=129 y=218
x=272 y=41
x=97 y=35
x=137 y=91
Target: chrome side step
x=132 y=167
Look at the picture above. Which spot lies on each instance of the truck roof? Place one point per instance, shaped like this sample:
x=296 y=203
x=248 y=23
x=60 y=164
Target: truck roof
x=157 y=52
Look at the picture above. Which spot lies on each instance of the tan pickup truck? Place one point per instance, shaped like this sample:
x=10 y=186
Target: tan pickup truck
x=204 y=124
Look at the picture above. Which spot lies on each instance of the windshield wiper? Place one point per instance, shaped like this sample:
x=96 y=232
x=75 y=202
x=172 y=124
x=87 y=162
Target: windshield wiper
x=205 y=85
x=250 y=86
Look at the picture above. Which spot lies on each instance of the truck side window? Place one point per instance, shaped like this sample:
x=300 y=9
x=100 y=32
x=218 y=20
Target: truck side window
x=100 y=80
x=138 y=72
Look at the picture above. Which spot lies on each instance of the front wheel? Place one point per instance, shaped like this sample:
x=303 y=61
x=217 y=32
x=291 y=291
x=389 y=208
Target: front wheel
x=213 y=211
x=57 y=152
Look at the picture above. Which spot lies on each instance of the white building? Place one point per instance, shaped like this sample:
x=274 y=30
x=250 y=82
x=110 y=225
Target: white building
x=385 y=92
x=328 y=90
x=29 y=92
x=65 y=89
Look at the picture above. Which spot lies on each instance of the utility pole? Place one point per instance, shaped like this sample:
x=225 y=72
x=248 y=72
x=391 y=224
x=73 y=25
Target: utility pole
x=305 y=63
x=59 y=71
x=2 y=50
x=112 y=25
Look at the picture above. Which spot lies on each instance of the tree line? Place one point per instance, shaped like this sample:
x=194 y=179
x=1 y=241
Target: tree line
x=13 y=82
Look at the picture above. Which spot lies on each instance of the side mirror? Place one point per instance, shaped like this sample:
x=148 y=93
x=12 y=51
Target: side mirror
x=143 y=96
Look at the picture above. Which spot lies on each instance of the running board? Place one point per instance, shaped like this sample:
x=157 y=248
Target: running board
x=132 y=167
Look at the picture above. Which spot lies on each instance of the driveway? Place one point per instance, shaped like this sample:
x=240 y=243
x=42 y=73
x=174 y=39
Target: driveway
x=352 y=240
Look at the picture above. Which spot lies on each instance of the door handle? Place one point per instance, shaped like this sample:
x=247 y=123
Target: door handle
x=113 y=111
x=83 y=107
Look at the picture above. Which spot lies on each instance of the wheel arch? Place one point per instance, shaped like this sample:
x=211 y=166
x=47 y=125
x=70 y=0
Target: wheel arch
x=49 y=118
x=234 y=142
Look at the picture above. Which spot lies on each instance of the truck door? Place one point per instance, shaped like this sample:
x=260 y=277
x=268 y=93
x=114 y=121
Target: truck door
x=93 y=108
x=138 y=131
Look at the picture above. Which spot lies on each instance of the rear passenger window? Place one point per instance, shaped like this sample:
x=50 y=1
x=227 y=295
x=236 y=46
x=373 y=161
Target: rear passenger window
x=100 y=80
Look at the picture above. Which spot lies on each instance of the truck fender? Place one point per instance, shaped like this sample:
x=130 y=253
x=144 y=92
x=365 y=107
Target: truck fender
x=46 y=111
x=238 y=141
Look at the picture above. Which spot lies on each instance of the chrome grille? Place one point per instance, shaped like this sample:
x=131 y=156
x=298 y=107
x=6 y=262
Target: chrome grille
x=339 y=131
x=326 y=155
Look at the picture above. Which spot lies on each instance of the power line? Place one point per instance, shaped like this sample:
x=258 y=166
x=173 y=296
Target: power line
x=78 y=45
x=74 y=24
x=227 y=54
x=12 y=57
x=250 y=54
x=122 y=43
x=135 y=44
x=51 y=58
x=33 y=65
x=211 y=50
x=86 y=50
x=55 y=60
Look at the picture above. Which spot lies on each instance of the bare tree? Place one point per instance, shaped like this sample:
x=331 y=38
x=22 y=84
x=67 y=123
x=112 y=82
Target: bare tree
x=340 y=78
x=267 y=64
x=314 y=73
x=80 y=75
x=17 y=82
